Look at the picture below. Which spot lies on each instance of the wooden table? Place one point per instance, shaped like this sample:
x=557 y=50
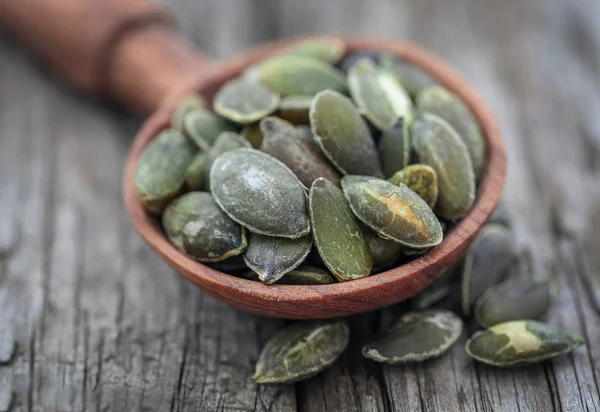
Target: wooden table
x=102 y=324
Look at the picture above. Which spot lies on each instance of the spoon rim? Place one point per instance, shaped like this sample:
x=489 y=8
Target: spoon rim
x=338 y=299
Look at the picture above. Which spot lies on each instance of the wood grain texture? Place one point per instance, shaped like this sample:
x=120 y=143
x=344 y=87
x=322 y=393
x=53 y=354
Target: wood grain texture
x=103 y=325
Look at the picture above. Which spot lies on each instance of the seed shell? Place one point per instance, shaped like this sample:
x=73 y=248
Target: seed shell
x=411 y=77
x=514 y=299
x=384 y=252
x=307 y=275
x=486 y=263
x=295 y=109
x=292 y=75
x=327 y=49
x=417 y=336
x=421 y=179
x=202 y=127
x=519 y=343
x=261 y=193
x=198 y=227
x=189 y=103
x=296 y=148
x=343 y=135
x=244 y=101
x=272 y=257
x=445 y=104
x=226 y=142
x=300 y=351
x=394 y=147
x=195 y=175
x=393 y=211
x=378 y=95
x=337 y=235
x=439 y=146
x=161 y=169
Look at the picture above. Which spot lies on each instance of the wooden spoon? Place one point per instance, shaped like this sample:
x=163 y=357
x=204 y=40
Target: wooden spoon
x=127 y=50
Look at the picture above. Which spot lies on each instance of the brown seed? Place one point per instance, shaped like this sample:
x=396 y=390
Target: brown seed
x=297 y=150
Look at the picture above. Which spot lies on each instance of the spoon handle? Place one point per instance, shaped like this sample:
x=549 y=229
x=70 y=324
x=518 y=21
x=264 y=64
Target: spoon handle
x=124 y=49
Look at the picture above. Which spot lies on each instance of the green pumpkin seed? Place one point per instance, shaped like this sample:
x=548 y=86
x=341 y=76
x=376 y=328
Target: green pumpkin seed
x=411 y=77
x=297 y=150
x=272 y=257
x=203 y=127
x=421 y=179
x=418 y=336
x=327 y=49
x=261 y=193
x=300 y=351
x=384 y=252
x=291 y=75
x=379 y=97
x=196 y=172
x=519 y=343
x=307 y=275
x=342 y=134
x=441 y=102
x=197 y=226
x=394 y=212
x=7 y=344
x=394 y=147
x=232 y=264
x=161 y=169
x=439 y=146
x=253 y=134
x=295 y=109
x=189 y=103
x=350 y=60
x=226 y=142
x=337 y=235
x=244 y=101
x=514 y=299
x=486 y=263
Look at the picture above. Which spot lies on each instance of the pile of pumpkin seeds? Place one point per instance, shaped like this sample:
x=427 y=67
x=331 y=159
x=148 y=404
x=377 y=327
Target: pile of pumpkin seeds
x=318 y=166
x=314 y=161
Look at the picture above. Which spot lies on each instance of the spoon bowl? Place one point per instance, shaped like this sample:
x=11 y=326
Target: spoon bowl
x=339 y=299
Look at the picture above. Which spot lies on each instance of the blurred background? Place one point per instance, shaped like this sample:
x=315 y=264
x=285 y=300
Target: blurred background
x=101 y=323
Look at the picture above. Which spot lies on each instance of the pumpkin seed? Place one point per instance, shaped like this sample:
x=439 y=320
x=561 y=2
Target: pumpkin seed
x=203 y=127
x=394 y=147
x=327 y=49
x=186 y=105
x=261 y=193
x=297 y=150
x=195 y=175
x=7 y=344
x=300 y=351
x=232 y=264
x=417 y=336
x=161 y=169
x=411 y=77
x=342 y=134
x=244 y=101
x=439 y=146
x=295 y=109
x=291 y=75
x=486 y=263
x=337 y=235
x=519 y=343
x=445 y=104
x=350 y=60
x=514 y=299
x=197 y=226
x=307 y=275
x=384 y=252
x=421 y=179
x=226 y=142
x=272 y=257
x=253 y=134
x=394 y=212
x=379 y=97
